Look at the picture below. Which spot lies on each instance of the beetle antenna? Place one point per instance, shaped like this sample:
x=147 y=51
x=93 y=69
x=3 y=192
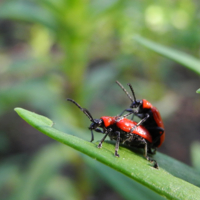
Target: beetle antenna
x=132 y=91
x=84 y=110
x=129 y=96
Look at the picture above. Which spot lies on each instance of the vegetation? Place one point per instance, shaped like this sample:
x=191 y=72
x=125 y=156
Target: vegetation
x=53 y=50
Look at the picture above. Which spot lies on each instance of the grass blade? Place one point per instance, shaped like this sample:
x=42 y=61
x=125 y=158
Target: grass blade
x=164 y=181
x=180 y=57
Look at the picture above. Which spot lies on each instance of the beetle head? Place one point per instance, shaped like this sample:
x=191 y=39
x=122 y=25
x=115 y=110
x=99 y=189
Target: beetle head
x=95 y=122
x=136 y=104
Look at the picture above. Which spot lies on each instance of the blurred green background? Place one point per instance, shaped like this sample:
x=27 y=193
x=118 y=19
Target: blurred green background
x=53 y=50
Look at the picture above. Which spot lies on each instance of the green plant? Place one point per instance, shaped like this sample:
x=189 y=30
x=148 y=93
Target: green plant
x=63 y=39
x=163 y=181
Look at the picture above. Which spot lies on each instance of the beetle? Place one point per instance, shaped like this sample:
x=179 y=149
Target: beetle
x=149 y=115
x=122 y=130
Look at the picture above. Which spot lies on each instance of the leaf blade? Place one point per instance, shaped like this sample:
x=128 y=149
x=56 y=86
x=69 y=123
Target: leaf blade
x=180 y=57
x=130 y=163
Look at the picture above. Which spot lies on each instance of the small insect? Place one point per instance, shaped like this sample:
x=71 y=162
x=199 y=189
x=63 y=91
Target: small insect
x=150 y=118
x=122 y=130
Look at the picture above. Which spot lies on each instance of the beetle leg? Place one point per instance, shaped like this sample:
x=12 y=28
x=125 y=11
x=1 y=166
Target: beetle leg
x=132 y=117
x=127 y=110
x=139 y=123
x=129 y=138
x=106 y=134
x=147 y=157
x=117 y=143
x=143 y=120
x=92 y=136
x=99 y=130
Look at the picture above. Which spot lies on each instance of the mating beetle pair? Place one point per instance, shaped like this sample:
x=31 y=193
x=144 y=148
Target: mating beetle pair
x=148 y=133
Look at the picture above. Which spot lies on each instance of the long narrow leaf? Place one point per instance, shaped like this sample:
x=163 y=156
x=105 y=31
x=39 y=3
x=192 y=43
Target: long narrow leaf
x=178 y=56
x=126 y=187
x=132 y=164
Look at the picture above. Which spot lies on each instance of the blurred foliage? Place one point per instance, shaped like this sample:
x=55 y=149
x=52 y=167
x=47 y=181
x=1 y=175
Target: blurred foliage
x=195 y=155
x=51 y=50
x=182 y=58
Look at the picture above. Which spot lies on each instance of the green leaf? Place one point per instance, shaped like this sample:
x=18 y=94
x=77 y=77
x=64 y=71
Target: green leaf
x=198 y=91
x=164 y=180
x=126 y=187
x=180 y=57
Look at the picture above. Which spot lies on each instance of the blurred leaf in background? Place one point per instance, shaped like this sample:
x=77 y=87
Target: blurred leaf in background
x=52 y=50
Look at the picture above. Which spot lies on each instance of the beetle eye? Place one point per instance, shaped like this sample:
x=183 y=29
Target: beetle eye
x=135 y=104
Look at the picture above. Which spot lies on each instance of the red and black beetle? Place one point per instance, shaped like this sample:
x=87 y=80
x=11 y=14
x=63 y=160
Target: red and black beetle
x=149 y=115
x=122 y=130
